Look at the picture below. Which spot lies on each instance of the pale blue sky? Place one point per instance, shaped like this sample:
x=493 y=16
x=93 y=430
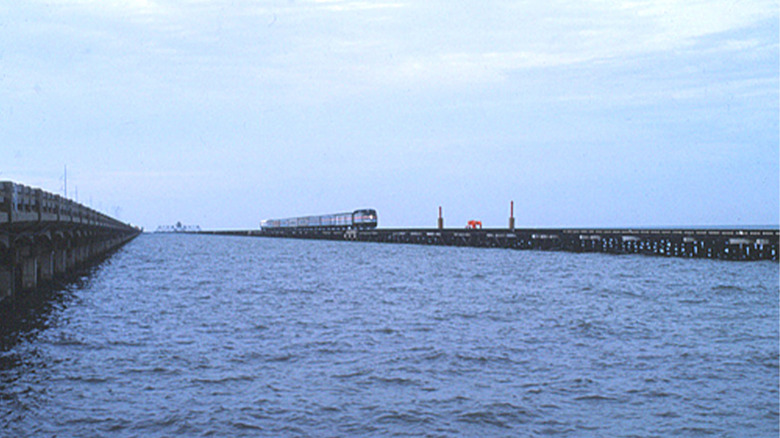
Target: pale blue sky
x=222 y=113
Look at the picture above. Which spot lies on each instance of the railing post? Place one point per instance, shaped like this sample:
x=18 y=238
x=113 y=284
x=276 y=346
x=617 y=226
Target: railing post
x=39 y=204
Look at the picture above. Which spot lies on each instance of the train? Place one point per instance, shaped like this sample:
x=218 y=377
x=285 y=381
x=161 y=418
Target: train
x=359 y=219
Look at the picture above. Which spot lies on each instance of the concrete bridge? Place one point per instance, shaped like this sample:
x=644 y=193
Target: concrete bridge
x=44 y=237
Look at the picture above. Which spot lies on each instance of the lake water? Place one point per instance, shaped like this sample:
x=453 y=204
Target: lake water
x=189 y=335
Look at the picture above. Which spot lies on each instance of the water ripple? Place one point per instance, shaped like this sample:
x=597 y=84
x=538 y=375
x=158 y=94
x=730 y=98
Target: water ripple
x=183 y=335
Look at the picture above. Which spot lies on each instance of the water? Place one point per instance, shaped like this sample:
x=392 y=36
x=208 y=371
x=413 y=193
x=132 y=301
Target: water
x=180 y=335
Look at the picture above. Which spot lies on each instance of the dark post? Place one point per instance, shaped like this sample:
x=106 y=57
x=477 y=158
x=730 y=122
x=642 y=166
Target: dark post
x=511 y=215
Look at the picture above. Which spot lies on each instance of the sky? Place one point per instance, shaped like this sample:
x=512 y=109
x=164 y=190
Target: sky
x=218 y=113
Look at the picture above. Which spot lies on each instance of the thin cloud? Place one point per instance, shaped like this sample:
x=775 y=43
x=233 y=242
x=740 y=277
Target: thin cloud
x=348 y=5
x=290 y=95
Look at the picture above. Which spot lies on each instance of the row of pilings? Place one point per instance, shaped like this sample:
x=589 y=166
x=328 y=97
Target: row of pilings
x=46 y=237
x=722 y=244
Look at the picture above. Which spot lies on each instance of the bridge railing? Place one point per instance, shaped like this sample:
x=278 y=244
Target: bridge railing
x=20 y=204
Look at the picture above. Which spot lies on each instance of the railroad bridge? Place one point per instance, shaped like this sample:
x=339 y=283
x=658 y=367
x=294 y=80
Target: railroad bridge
x=44 y=237
x=724 y=244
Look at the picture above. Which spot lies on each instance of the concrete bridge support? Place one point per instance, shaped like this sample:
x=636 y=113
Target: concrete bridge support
x=59 y=258
x=6 y=273
x=6 y=283
x=45 y=266
x=27 y=266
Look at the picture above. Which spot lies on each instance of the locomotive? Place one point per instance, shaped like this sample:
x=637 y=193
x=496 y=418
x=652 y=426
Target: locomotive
x=358 y=219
